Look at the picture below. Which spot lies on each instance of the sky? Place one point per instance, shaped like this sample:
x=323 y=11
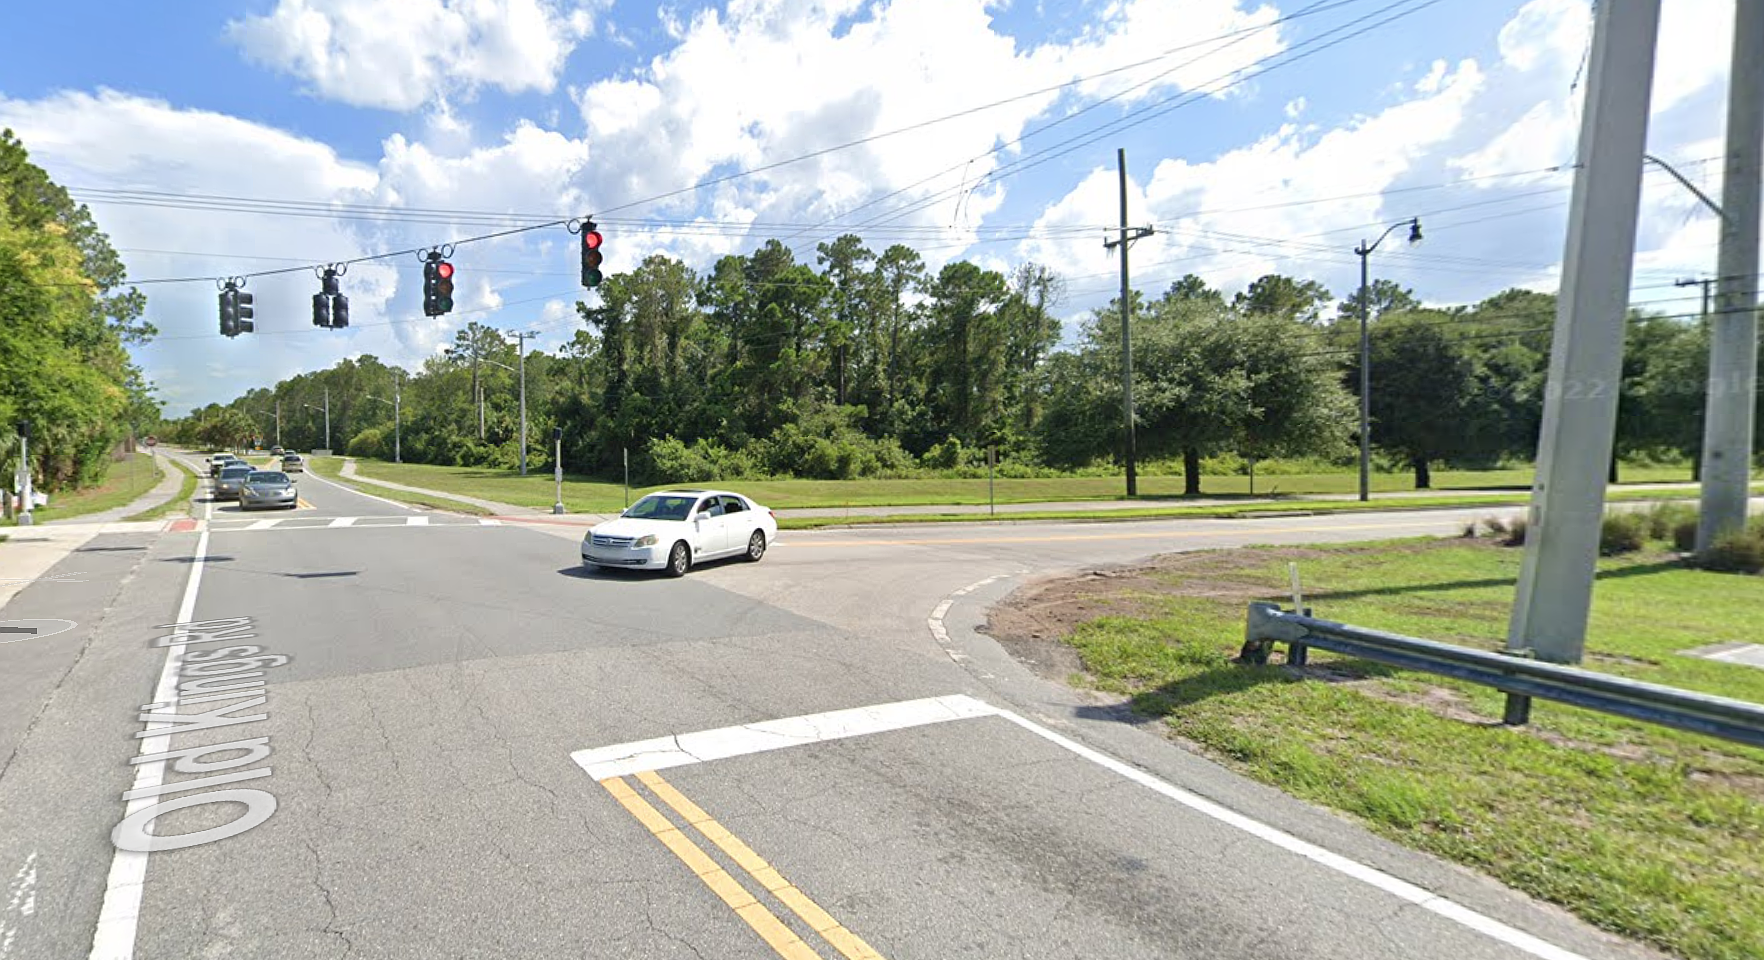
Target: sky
x=229 y=139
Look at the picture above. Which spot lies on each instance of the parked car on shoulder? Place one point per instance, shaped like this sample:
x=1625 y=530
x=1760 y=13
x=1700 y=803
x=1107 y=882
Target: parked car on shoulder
x=268 y=488
x=672 y=530
x=291 y=463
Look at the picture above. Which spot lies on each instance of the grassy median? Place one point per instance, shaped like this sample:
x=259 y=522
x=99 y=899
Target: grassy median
x=178 y=504
x=1646 y=832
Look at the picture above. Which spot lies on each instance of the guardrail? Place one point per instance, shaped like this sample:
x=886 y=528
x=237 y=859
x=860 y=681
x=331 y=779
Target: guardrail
x=1519 y=677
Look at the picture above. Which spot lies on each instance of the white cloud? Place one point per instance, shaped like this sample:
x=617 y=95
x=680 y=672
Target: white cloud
x=768 y=80
x=399 y=54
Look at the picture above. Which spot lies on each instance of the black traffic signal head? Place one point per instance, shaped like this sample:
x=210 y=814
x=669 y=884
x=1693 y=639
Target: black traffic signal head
x=591 y=255
x=229 y=313
x=331 y=285
x=339 y=311
x=243 y=313
x=321 y=310
x=437 y=285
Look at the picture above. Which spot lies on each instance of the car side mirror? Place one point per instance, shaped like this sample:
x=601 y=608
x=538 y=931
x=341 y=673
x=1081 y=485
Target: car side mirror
x=703 y=515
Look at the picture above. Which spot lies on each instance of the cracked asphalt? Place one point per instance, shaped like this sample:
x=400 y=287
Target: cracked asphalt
x=441 y=676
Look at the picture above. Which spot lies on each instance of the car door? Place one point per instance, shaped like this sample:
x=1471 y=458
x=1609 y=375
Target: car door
x=738 y=519
x=713 y=531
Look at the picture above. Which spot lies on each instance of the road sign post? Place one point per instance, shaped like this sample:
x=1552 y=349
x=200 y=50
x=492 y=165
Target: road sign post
x=557 y=467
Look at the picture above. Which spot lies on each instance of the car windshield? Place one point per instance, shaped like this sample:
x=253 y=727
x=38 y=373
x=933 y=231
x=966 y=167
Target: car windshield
x=235 y=470
x=661 y=507
x=267 y=476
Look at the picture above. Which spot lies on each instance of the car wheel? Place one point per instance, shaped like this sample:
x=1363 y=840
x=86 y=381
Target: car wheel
x=756 y=546
x=679 y=560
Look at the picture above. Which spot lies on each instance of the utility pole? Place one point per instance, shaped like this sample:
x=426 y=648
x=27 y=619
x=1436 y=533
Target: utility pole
x=278 y=423
x=523 y=338
x=1705 y=283
x=397 y=418
x=24 y=475
x=1586 y=356
x=1733 y=332
x=1364 y=250
x=1127 y=237
x=327 y=419
x=478 y=391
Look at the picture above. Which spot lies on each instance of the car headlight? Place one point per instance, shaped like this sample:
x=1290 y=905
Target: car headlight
x=647 y=540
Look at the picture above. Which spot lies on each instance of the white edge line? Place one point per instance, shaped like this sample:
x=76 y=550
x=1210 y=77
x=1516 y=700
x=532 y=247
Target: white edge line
x=1401 y=889
x=354 y=490
x=724 y=742
x=118 y=918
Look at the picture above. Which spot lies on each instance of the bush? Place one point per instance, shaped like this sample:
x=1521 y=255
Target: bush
x=1622 y=533
x=1664 y=519
x=1741 y=551
x=1684 y=536
x=1511 y=533
x=1516 y=532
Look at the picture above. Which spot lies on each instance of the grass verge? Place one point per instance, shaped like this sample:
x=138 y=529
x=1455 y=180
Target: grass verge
x=331 y=469
x=588 y=495
x=126 y=482
x=1647 y=832
x=177 y=504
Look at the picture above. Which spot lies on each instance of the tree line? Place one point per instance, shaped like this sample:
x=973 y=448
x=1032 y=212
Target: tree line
x=66 y=323
x=868 y=363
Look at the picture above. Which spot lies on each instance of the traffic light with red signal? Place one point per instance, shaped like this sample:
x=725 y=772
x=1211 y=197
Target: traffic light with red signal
x=591 y=255
x=437 y=285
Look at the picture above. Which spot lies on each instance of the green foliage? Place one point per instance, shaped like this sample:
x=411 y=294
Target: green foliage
x=1741 y=551
x=1621 y=533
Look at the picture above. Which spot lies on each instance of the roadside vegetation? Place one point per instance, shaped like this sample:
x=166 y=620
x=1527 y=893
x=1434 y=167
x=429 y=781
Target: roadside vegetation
x=181 y=503
x=127 y=481
x=1646 y=832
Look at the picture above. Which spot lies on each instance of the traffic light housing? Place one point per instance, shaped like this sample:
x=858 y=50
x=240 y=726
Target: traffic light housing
x=235 y=311
x=437 y=285
x=330 y=308
x=591 y=255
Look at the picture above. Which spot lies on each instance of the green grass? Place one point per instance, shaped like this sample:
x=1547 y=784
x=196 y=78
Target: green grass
x=120 y=487
x=1644 y=831
x=587 y=495
x=179 y=503
x=331 y=469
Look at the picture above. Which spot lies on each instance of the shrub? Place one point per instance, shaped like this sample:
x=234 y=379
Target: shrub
x=1495 y=526
x=1684 y=536
x=1664 y=519
x=1515 y=532
x=1741 y=551
x=1622 y=533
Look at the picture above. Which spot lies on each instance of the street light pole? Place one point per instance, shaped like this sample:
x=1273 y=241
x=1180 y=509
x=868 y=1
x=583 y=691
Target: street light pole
x=397 y=419
x=1365 y=251
x=327 y=418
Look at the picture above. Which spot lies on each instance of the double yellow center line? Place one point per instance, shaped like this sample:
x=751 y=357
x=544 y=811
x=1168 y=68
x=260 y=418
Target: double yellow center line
x=756 y=914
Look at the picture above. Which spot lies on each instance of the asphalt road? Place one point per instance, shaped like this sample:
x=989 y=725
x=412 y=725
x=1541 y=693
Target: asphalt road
x=443 y=746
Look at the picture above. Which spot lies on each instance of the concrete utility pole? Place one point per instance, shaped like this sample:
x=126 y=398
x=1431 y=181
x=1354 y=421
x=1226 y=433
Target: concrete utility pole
x=327 y=418
x=1706 y=284
x=1127 y=237
x=397 y=418
x=1586 y=355
x=1733 y=332
x=523 y=338
x=24 y=475
x=278 y=423
x=478 y=391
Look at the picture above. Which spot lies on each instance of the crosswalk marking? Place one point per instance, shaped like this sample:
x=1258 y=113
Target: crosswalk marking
x=222 y=524
x=264 y=524
x=416 y=521
x=342 y=522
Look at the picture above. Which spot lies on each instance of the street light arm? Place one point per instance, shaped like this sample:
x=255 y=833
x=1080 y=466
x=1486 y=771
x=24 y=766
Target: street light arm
x=1414 y=225
x=1712 y=205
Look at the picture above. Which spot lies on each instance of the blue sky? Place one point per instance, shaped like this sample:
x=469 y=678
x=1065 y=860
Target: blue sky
x=1447 y=109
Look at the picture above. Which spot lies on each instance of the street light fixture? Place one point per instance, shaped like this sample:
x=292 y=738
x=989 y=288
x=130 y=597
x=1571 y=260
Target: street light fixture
x=521 y=373
x=1364 y=250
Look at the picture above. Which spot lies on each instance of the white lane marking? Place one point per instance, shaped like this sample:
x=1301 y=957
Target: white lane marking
x=119 y=917
x=416 y=521
x=935 y=621
x=488 y=522
x=359 y=493
x=264 y=524
x=341 y=522
x=663 y=752
x=706 y=745
x=23 y=901
x=1401 y=889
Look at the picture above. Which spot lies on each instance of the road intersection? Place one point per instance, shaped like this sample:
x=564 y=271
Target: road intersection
x=477 y=748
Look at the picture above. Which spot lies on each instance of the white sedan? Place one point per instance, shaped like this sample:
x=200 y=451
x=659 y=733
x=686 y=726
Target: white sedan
x=673 y=529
